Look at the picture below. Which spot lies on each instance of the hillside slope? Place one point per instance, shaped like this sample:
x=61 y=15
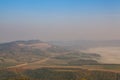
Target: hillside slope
x=34 y=51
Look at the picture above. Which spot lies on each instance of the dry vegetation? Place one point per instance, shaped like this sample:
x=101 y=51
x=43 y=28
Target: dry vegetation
x=29 y=60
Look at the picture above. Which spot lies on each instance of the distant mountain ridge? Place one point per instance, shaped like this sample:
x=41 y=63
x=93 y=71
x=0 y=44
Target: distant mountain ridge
x=19 y=42
x=87 y=43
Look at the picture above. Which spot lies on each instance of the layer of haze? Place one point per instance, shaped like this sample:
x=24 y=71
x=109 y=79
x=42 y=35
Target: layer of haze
x=59 y=20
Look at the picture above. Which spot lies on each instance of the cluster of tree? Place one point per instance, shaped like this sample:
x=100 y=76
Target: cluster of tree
x=58 y=74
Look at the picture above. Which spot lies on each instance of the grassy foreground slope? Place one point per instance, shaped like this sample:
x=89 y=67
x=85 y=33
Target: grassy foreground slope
x=58 y=74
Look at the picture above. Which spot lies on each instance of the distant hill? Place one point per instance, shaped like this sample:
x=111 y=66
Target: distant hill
x=42 y=53
x=17 y=52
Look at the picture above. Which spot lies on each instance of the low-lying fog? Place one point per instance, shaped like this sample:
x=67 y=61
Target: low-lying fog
x=109 y=55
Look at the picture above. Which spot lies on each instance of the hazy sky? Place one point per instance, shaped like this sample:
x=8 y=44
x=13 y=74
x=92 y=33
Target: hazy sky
x=59 y=20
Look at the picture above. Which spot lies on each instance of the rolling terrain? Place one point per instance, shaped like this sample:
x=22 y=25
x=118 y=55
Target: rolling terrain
x=41 y=53
x=38 y=60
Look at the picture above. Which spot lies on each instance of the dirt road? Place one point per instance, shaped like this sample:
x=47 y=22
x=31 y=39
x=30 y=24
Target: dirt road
x=26 y=64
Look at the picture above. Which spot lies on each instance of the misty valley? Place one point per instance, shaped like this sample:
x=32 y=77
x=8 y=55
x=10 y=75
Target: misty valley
x=39 y=60
x=59 y=39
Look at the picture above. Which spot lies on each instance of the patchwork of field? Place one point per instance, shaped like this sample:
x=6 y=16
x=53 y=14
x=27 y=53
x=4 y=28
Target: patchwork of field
x=109 y=55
